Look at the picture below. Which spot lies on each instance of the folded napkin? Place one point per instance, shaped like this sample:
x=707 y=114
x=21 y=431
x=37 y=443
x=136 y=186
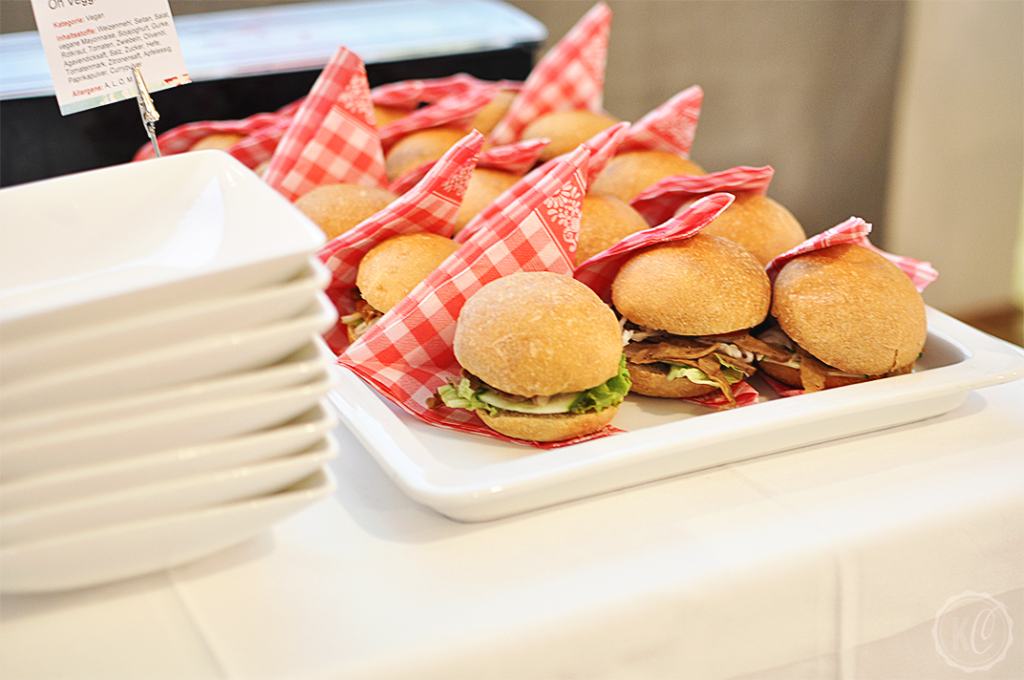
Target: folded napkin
x=855 y=230
x=601 y=146
x=409 y=352
x=451 y=100
x=569 y=76
x=332 y=137
x=515 y=158
x=430 y=206
x=661 y=201
x=261 y=132
x=599 y=271
x=670 y=127
x=410 y=94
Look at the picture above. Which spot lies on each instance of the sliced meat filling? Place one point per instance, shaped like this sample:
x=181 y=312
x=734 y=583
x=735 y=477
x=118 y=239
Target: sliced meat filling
x=708 y=354
x=363 y=318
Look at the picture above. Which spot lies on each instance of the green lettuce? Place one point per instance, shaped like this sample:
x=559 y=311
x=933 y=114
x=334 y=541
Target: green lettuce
x=606 y=395
x=732 y=374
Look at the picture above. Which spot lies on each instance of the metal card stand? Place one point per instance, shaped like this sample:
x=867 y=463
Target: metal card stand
x=149 y=113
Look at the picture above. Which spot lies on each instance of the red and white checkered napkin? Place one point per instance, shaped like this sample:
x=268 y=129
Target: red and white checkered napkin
x=854 y=230
x=601 y=147
x=516 y=158
x=570 y=76
x=408 y=353
x=600 y=271
x=671 y=127
x=455 y=110
x=431 y=206
x=409 y=94
x=332 y=137
x=661 y=201
x=262 y=132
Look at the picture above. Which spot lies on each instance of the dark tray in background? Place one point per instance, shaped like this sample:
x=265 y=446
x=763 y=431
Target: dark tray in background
x=247 y=61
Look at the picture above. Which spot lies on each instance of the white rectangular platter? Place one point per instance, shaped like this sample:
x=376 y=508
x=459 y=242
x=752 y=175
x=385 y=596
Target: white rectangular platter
x=475 y=478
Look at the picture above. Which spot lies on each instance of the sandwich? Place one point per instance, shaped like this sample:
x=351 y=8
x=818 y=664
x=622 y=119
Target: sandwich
x=687 y=308
x=484 y=187
x=760 y=224
x=419 y=147
x=843 y=315
x=389 y=271
x=604 y=221
x=338 y=207
x=566 y=130
x=627 y=174
x=541 y=358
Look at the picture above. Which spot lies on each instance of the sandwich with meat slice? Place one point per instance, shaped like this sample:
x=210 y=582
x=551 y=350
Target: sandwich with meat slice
x=687 y=308
x=843 y=314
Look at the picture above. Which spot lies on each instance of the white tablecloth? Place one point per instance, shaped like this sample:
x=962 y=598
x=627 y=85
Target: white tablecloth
x=827 y=561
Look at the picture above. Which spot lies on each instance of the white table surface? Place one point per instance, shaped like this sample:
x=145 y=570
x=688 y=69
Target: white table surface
x=826 y=561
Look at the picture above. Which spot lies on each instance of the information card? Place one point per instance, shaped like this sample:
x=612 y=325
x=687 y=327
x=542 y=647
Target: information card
x=93 y=45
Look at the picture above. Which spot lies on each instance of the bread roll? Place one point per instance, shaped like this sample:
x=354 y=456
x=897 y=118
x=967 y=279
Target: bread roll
x=538 y=333
x=566 y=130
x=417 y=148
x=852 y=309
x=485 y=185
x=604 y=221
x=629 y=173
x=392 y=268
x=217 y=140
x=336 y=208
x=759 y=224
x=702 y=285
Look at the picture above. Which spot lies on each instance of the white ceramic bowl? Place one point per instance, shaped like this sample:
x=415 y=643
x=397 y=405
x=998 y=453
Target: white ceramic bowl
x=300 y=434
x=308 y=364
x=162 y=498
x=159 y=431
x=104 y=244
x=139 y=547
x=116 y=339
x=172 y=365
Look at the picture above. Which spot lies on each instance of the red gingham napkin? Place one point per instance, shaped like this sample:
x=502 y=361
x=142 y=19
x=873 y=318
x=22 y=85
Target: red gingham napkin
x=671 y=127
x=408 y=353
x=409 y=94
x=180 y=139
x=569 y=76
x=856 y=230
x=599 y=271
x=516 y=158
x=332 y=137
x=431 y=206
x=661 y=201
x=454 y=110
x=601 y=147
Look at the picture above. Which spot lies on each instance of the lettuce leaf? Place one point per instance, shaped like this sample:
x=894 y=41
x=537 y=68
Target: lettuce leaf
x=608 y=394
x=464 y=396
x=732 y=374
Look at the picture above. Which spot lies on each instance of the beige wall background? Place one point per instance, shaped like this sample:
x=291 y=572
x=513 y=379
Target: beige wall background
x=908 y=113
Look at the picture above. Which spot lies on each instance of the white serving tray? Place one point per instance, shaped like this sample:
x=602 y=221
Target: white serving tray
x=476 y=478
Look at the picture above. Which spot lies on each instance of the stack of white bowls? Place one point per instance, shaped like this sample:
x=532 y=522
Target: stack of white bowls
x=162 y=375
